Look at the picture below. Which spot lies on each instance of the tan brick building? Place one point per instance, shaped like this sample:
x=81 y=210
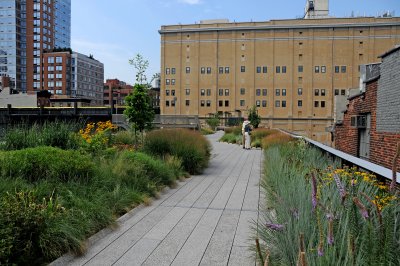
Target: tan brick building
x=289 y=69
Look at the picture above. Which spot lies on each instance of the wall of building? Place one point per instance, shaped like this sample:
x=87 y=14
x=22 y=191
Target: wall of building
x=307 y=63
x=382 y=144
x=388 y=114
x=16 y=100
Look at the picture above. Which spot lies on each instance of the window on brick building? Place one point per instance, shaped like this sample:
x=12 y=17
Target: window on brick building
x=226 y=103
x=220 y=92
x=323 y=69
x=187 y=70
x=336 y=69
x=208 y=70
x=343 y=69
x=187 y=91
x=208 y=92
x=283 y=92
x=322 y=92
x=173 y=71
x=187 y=102
x=316 y=104
x=299 y=103
x=221 y=70
x=172 y=81
x=242 y=102
x=220 y=103
x=167 y=82
x=202 y=70
x=202 y=103
x=264 y=103
x=226 y=92
x=258 y=69
x=323 y=104
x=316 y=69
x=278 y=69
x=277 y=92
x=167 y=92
x=258 y=92
x=316 y=92
x=300 y=69
x=265 y=69
x=173 y=103
x=336 y=92
x=173 y=92
x=283 y=69
x=299 y=91
x=242 y=91
x=258 y=103
x=208 y=103
x=202 y=92
x=264 y=92
x=226 y=70
x=167 y=103
x=342 y=92
x=242 y=69
x=277 y=104
x=167 y=71
x=283 y=103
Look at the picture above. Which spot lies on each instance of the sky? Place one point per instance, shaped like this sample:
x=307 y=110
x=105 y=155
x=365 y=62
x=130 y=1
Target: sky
x=114 y=31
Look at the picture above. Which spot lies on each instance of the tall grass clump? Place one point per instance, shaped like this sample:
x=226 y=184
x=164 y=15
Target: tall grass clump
x=234 y=130
x=318 y=214
x=55 y=134
x=44 y=162
x=275 y=137
x=189 y=146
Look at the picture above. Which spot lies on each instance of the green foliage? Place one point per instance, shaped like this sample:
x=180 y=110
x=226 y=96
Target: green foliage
x=38 y=163
x=55 y=134
x=234 y=130
x=207 y=131
x=141 y=65
x=23 y=220
x=139 y=110
x=158 y=172
x=344 y=227
x=213 y=121
x=229 y=138
x=189 y=146
x=124 y=138
x=254 y=118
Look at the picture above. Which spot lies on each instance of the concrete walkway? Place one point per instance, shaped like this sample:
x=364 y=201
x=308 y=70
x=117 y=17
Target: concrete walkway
x=206 y=220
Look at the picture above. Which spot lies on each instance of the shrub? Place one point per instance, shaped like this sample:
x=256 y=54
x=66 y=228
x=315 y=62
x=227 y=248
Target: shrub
x=23 y=219
x=55 y=134
x=156 y=170
x=229 y=138
x=275 y=138
x=206 y=131
x=39 y=163
x=234 y=130
x=256 y=143
x=213 y=121
x=189 y=146
x=124 y=138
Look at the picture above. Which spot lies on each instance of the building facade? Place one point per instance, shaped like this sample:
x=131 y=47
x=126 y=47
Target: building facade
x=371 y=125
x=290 y=69
x=70 y=74
x=30 y=28
x=115 y=92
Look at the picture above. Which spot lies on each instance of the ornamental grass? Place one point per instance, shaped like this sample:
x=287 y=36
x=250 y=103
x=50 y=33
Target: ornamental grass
x=317 y=213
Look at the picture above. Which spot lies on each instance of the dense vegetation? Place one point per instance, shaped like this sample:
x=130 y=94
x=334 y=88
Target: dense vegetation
x=57 y=191
x=319 y=214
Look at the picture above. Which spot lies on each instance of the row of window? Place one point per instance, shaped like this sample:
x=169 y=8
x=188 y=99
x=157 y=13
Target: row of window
x=263 y=103
x=259 y=92
x=50 y=59
x=259 y=69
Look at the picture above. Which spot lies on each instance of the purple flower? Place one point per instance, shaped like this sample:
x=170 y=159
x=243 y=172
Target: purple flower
x=275 y=227
x=340 y=186
x=320 y=251
x=314 y=200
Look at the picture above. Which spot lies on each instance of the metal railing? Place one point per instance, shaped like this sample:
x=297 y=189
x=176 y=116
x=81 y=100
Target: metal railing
x=363 y=164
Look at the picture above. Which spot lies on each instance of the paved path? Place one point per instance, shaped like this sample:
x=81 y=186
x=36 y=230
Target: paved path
x=206 y=220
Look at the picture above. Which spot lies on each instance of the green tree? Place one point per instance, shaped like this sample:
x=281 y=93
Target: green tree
x=141 y=65
x=213 y=121
x=139 y=110
x=254 y=118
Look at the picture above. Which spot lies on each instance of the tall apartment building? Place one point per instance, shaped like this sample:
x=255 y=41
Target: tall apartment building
x=290 y=69
x=29 y=27
x=74 y=75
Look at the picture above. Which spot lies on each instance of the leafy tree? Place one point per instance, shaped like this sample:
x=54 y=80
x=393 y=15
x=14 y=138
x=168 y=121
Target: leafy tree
x=254 y=118
x=141 y=65
x=213 y=121
x=139 y=110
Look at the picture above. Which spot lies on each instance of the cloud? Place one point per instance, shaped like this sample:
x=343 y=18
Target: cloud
x=191 y=2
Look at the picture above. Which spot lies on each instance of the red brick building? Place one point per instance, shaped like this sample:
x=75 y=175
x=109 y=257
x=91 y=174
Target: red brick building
x=116 y=90
x=371 y=125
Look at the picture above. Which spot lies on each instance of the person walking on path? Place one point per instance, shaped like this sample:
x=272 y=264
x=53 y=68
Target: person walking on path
x=246 y=129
